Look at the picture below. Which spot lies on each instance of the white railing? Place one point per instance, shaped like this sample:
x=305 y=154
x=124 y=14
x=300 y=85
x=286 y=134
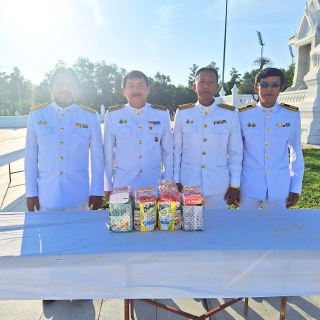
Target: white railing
x=18 y=121
x=238 y=100
x=295 y=97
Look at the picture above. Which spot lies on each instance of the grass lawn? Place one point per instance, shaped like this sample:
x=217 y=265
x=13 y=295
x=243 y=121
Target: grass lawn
x=310 y=197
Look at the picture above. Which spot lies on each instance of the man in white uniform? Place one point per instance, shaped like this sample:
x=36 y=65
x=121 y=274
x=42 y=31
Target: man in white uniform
x=271 y=134
x=208 y=144
x=137 y=139
x=59 y=138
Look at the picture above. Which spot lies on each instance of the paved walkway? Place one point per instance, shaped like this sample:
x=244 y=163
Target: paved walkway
x=12 y=199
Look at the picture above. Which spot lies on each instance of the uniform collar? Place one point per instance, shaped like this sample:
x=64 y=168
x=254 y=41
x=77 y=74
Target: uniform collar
x=137 y=112
x=63 y=110
x=263 y=109
x=206 y=110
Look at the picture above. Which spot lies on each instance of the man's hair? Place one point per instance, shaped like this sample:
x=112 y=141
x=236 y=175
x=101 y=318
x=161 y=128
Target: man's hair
x=134 y=74
x=64 y=70
x=213 y=70
x=270 y=72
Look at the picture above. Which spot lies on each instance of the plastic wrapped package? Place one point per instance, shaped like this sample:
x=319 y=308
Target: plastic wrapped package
x=142 y=195
x=192 y=218
x=168 y=191
x=120 y=195
x=192 y=195
x=148 y=215
x=166 y=215
x=120 y=217
x=177 y=220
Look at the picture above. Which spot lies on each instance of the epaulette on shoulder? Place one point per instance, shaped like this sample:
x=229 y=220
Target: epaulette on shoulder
x=247 y=107
x=116 y=107
x=39 y=106
x=87 y=108
x=186 y=106
x=158 y=107
x=289 y=107
x=226 y=106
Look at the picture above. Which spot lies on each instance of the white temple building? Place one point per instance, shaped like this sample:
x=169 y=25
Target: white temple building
x=305 y=90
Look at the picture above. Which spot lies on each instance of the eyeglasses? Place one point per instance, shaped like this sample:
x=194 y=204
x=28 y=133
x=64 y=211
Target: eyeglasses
x=271 y=84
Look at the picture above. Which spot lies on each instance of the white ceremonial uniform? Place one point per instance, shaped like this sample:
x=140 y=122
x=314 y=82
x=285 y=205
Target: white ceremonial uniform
x=136 y=141
x=57 y=156
x=207 y=148
x=267 y=174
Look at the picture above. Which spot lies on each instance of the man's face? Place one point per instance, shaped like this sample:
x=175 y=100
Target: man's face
x=268 y=96
x=136 y=91
x=205 y=85
x=64 y=89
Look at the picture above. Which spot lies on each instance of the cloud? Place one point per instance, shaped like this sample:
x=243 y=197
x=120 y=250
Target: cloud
x=98 y=17
x=166 y=20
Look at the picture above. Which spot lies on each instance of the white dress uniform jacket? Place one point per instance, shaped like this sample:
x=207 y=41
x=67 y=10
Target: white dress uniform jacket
x=136 y=141
x=57 y=156
x=207 y=147
x=267 y=134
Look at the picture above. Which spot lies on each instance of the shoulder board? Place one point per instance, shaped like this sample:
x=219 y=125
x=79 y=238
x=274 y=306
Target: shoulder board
x=186 y=106
x=226 y=106
x=158 y=107
x=39 y=106
x=247 y=107
x=116 y=107
x=289 y=107
x=87 y=108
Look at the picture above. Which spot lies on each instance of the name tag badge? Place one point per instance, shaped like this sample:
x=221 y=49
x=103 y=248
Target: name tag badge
x=283 y=125
x=219 y=122
x=154 y=123
x=81 y=125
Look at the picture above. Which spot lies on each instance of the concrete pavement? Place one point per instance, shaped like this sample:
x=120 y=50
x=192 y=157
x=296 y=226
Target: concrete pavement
x=12 y=199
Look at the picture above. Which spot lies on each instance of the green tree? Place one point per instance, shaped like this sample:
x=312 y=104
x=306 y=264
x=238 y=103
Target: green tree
x=247 y=82
x=192 y=75
x=235 y=79
x=88 y=90
x=263 y=62
x=289 y=74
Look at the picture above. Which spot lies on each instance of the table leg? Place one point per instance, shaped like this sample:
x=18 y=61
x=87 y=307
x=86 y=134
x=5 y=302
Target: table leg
x=283 y=308
x=9 y=173
x=246 y=305
x=126 y=309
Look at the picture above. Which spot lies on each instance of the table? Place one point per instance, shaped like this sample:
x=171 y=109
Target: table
x=11 y=157
x=254 y=253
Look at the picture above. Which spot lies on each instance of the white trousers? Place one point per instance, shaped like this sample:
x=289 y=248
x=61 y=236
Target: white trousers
x=78 y=208
x=215 y=202
x=251 y=203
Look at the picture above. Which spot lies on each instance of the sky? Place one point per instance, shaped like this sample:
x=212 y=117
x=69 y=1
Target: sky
x=151 y=36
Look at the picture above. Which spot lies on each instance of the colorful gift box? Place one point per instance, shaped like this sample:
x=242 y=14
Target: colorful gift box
x=192 y=218
x=120 y=217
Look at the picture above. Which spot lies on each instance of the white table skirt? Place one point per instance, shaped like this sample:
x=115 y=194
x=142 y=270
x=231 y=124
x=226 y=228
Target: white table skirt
x=72 y=255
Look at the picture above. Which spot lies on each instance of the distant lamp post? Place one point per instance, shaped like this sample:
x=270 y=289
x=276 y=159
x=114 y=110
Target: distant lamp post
x=224 y=44
x=260 y=42
x=291 y=54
